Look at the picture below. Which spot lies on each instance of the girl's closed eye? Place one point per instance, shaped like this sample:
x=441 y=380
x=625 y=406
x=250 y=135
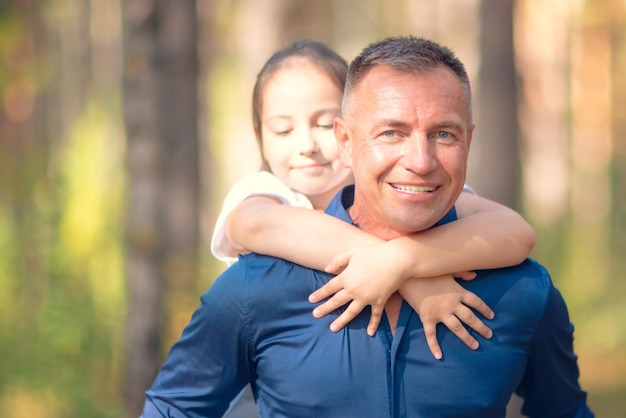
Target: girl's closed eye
x=284 y=132
x=325 y=121
x=280 y=128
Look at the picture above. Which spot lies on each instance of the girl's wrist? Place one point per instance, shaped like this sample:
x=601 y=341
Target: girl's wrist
x=405 y=261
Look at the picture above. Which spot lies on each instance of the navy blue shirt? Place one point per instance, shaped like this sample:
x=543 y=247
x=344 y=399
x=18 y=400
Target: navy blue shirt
x=255 y=326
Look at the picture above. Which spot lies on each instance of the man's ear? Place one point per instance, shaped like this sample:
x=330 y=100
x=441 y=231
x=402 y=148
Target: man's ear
x=470 y=133
x=343 y=135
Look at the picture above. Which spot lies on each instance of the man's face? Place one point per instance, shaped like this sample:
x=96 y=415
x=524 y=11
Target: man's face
x=406 y=138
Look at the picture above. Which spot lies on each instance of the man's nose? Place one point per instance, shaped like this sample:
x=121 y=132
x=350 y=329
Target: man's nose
x=420 y=155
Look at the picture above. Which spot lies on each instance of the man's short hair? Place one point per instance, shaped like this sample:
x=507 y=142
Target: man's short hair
x=407 y=54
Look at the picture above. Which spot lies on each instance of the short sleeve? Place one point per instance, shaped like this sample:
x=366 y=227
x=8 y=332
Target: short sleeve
x=258 y=184
x=467 y=188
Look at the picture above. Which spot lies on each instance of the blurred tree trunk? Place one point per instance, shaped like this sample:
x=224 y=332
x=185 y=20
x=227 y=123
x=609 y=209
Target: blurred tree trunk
x=161 y=110
x=618 y=108
x=494 y=169
x=496 y=165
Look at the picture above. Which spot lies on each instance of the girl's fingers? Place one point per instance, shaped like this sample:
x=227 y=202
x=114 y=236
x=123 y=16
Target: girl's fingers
x=467 y=317
x=338 y=262
x=430 y=330
x=466 y=275
x=377 y=313
x=339 y=299
x=333 y=286
x=477 y=303
x=348 y=315
x=455 y=325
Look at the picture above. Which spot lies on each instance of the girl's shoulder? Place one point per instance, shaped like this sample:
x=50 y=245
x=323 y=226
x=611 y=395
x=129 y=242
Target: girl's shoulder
x=265 y=183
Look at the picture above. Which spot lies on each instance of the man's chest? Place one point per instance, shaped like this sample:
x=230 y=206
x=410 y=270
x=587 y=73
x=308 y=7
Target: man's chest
x=309 y=369
x=315 y=372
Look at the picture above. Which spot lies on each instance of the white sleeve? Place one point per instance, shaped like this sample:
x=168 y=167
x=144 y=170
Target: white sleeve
x=467 y=188
x=258 y=184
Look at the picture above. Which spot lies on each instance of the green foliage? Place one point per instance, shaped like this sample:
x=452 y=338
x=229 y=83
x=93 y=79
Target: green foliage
x=62 y=304
x=60 y=257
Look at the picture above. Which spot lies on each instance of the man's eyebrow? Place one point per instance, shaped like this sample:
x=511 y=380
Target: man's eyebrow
x=391 y=123
x=448 y=124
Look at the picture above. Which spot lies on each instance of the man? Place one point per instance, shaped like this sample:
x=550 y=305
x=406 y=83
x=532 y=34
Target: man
x=405 y=131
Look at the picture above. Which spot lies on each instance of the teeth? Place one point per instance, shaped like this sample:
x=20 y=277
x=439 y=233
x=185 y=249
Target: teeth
x=412 y=189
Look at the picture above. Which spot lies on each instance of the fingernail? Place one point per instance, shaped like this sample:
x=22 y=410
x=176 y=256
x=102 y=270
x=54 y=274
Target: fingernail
x=312 y=299
x=333 y=328
x=316 y=313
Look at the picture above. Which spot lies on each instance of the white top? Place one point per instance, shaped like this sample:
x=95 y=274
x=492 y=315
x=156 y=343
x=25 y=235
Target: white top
x=262 y=183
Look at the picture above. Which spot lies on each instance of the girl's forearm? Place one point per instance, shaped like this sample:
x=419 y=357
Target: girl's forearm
x=480 y=241
x=299 y=235
x=487 y=236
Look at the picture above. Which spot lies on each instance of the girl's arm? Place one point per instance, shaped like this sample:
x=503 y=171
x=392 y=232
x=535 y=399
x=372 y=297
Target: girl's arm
x=264 y=225
x=486 y=235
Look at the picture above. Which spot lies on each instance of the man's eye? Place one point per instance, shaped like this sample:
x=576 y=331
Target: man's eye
x=389 y=134
x=443 y=134
x=283 y=133
x=324 y=126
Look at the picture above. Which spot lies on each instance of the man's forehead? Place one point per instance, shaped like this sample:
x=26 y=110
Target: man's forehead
x=391 y=91
x=385 y=83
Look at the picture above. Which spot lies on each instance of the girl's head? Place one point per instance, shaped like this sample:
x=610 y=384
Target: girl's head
x=296 y=97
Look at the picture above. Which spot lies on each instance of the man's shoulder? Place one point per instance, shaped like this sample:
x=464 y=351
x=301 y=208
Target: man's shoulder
x=260 y=261
x=253 y=275
x=254 y=267
x=261 y=285
x=522 y=291
x=530 y=274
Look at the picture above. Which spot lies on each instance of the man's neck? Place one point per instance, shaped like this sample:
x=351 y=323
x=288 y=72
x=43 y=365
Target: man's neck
x=371 y=226
x=392 y=310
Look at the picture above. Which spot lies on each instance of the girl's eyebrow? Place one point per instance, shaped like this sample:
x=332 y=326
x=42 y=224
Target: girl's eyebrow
x=271 y=118
x=316 y=113
x=329 y=110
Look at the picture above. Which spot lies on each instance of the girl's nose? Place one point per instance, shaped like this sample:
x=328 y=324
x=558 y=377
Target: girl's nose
x=308 y=143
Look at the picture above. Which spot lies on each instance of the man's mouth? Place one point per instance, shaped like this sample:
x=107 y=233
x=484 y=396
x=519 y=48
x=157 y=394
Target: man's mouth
x=411 y=188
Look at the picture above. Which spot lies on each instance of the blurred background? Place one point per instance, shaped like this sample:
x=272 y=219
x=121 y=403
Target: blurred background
x=123 y=124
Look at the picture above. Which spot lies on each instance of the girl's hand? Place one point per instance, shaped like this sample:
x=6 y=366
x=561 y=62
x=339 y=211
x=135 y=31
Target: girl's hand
x=365 y=279
x=442 y=299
